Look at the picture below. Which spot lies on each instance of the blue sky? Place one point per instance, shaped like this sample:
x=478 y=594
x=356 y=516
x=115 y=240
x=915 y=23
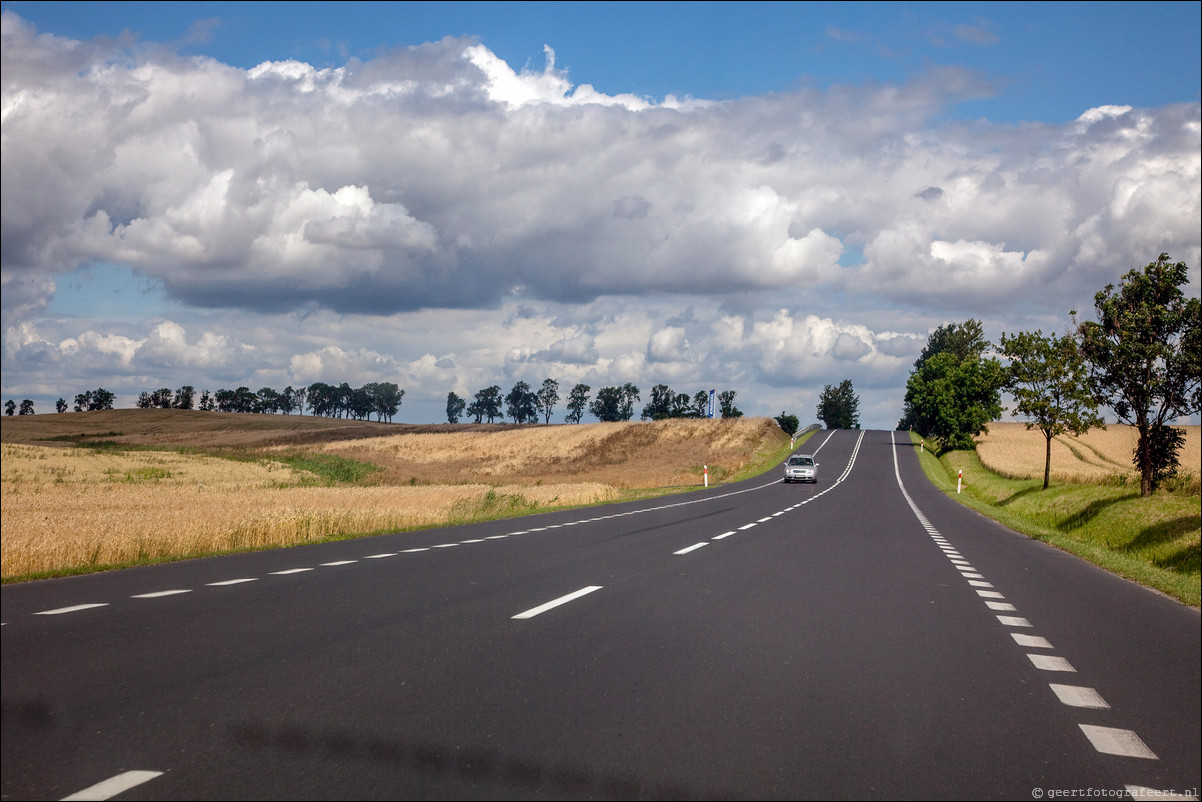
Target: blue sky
x=1049 y=60
x=768 y=197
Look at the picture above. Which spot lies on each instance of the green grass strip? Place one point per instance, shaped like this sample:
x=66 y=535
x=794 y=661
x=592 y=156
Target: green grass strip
x=1155 y=541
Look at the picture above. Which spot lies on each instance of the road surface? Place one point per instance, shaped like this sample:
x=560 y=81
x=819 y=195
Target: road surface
x=865 y=637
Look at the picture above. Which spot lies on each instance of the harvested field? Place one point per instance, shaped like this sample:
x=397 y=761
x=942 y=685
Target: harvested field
x=1100 y=455
x=87 y=490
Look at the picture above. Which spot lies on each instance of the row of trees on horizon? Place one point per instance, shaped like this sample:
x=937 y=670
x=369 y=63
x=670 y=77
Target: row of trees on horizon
x=521 y=404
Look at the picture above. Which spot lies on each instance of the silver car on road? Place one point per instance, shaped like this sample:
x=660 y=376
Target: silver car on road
x=801 y=468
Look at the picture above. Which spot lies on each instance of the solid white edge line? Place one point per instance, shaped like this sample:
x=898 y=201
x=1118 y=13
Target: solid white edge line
x=542 y=608
x=112 y=786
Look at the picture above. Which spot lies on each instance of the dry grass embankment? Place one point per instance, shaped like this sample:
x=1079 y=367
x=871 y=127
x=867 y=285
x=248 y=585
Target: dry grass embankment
x=83 y=491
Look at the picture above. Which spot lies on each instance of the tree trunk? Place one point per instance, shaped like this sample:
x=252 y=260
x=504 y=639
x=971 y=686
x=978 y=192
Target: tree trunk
x=1143 y=458
x=1047 y=458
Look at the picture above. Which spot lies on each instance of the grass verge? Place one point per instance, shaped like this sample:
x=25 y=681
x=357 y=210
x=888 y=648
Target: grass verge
x=1153 y=541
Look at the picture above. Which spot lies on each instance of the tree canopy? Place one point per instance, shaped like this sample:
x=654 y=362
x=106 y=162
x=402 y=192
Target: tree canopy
x=577 y=402
x=1049 y=381
x=614 y=403
x=954 y=391
x=1145 y=363
x=839 y=407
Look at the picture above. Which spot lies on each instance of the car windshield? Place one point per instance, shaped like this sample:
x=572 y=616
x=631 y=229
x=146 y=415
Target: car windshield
x=801 y=461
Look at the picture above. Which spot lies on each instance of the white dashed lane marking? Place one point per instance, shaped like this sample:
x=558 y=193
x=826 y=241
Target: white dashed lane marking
x=1107 y=740
x=72 y=609
x=1112 y=741
x=112 y=786
x=542 y=608
x=1075 y=696
x=767 y=518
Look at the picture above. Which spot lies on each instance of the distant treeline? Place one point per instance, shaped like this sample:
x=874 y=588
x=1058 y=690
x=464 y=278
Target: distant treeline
x=521 y=404
x=524 y=405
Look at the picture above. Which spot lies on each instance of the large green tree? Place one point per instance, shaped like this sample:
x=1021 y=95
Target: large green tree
x=615 y=403
x=789 y=423
x=954 y=391
x=548 y=397
x=488 y=402
x=577 y=402
x=1049 y=381
x=661 y=403
x=726 y=403
x=839 y=407
x=522 y=403
x=455 y=407
x=1143 y=352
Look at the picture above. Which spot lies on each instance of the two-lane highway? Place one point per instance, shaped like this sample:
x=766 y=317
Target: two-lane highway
x=863 y=637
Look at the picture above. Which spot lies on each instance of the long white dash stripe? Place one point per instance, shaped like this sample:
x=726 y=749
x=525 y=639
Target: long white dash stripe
x=113 y=785
x=724 y=535
x=1031 y=641
x=158 y=594
x=290 y=571
x=693 y=547
x=233 y=582
x=380 y=556
x=745 y=526
x=1047 y=662
x=73 y=609
x=1076 y=696
x=338 y=562
x=1113 y=741
x=542 y=608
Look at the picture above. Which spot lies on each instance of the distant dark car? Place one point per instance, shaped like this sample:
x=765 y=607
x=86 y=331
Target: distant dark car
x=801 y=468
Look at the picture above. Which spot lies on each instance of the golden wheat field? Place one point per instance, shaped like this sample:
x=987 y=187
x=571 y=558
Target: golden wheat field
x=1012 y=450
x=67 y=507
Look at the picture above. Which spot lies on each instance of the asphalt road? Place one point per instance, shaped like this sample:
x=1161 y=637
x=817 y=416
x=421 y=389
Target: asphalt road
x=865 y=637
